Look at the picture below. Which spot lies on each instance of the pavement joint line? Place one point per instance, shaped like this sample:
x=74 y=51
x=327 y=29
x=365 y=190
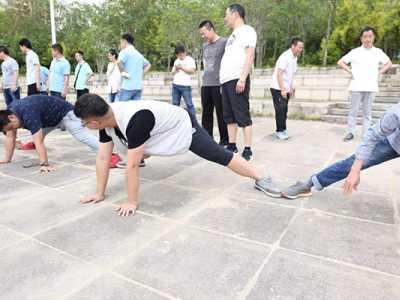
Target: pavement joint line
x=252 y=282
x=81 y=286
x=13 y=244
x=394 y=195
x=321 y=212
x=341 y=262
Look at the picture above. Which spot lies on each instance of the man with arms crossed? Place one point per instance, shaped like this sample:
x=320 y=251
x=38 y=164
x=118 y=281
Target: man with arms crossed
x=144 y=128
x=365 y=73
x=234 y=75
x=213 y=50
x=282 y=86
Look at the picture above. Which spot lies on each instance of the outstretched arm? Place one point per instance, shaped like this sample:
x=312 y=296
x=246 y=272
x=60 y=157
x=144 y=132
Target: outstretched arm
x=9 y=146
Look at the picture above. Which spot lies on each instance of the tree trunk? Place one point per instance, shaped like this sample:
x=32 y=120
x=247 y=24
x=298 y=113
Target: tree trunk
x=328 y=32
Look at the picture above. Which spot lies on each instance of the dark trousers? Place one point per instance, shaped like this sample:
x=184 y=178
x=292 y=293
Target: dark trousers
x=211 y=98
x=81 y=92
x=11 y=96
x=32 y=89
x=281 y=109
x=57 y=94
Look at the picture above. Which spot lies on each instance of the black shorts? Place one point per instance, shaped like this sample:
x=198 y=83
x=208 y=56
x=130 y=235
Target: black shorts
x=204 y=146
x=32 y=89
x=236 y=107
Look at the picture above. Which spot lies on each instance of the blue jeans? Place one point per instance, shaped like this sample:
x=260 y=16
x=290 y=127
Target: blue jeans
x=74 y=126
x=112 y=97
x=10 y=96
x=339 y=170
x=126 y=95
x=179 y=91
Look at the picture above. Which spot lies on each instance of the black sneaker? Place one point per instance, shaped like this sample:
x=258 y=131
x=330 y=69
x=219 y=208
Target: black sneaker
x=247 y=154
x=233 y=149
x=348 y=137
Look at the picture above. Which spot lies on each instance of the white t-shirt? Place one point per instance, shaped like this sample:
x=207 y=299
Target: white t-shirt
x=32 y=59
x=234 y=58
x=114 y=78
x=181 y=77
x=287 y=62
x=365 y=68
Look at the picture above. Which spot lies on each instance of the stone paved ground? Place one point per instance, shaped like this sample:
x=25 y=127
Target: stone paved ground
x=201 y=232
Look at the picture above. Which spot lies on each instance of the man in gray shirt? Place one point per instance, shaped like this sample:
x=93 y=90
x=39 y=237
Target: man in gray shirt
x=9 y=69
x=213 y=50
x=380 y=144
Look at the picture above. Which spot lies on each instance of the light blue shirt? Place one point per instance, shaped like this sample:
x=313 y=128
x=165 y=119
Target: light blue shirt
x=58 y=69
x=387 y=127
x=133 y=62
x=84 y=71
x=44 y=75
x=9 y=67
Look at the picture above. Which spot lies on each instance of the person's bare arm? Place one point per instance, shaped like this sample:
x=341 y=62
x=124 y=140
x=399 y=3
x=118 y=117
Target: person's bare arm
x=146 y=68
x=281 y=83
x=385 y=67
x=14 y=85
x=66 y=86
x=188 y=70
x=37 y=77
x=38 y=140
x=241 y=84
x=120 y=66
x=9 y=146
x=344 y=66
x=102 y=172
x=132 y=180
x=353 y=179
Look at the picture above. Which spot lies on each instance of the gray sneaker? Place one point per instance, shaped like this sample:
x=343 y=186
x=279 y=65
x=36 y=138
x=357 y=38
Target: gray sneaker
x=348 y=137
x=300 y=189
x=267 y=186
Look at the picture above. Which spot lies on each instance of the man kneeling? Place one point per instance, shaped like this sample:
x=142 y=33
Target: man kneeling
x=145 y=128
x=41 y=114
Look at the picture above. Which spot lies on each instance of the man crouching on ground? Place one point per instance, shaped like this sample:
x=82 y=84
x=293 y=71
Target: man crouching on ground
x=146 y=128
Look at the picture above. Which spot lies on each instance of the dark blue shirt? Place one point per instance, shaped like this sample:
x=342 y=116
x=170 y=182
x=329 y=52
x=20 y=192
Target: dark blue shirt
x=40 y=111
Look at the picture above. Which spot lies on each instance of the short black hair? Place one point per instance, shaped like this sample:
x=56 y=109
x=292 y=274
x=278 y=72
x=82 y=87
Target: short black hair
x=4 y=49
x=80 y=52
x=113 y=52
x=25 y=42
x=4 y=113
x=127 y=37
x=238 y=8
x=58 y=48
x=180 y=49
x=296 y=40
x=90 y=106
x=366 y=29
x=207 y=24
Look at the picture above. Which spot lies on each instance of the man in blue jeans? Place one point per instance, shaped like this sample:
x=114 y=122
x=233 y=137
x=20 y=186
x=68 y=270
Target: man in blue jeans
x=9 y=69
x=40 y=115
x=381 y=144
x=133 y=66
x=184 y=67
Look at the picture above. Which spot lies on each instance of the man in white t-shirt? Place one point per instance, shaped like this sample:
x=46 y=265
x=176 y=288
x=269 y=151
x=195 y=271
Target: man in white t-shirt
x=153 y=128
x=365 y=72
x=236 y=65
x=282 y=86
x=32 y=67
x=184 y=67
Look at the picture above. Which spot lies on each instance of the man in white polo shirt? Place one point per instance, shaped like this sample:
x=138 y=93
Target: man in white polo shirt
x=282 y=86
x=365 y=72
x=144 y=128
x=236 y=65
x=32 y=67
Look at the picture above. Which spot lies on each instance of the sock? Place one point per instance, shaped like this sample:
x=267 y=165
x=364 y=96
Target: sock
x=232 y=145
x=309 y=183
x=247 y=148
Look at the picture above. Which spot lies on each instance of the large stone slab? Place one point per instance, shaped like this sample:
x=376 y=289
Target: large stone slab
x=294 y=276
x=246 y=219
x=109 y=287
x=362 y=243
x=33 y=214
x=192 y=264
x=159 y=169
x=33 y=271
x=104 y=237
x=8 y=237
x=374 y=207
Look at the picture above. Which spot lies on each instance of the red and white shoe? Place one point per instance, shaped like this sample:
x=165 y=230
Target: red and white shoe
x=115 y=159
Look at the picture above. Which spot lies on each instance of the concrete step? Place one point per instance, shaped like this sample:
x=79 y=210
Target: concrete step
x=342 y=119
x=375 y=107
x=345 y=112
